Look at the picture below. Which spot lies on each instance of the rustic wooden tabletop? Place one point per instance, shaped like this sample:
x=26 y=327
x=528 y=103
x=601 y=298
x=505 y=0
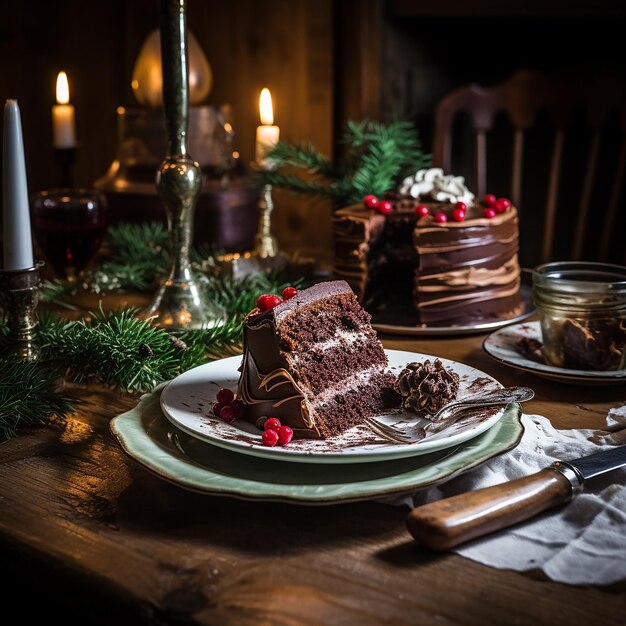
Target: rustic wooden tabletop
x=91 y=536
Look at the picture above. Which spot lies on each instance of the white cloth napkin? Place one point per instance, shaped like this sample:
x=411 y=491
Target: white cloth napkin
x=583 y=542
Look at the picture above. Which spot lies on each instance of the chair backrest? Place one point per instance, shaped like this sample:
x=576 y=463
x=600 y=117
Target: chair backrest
x=582 y=158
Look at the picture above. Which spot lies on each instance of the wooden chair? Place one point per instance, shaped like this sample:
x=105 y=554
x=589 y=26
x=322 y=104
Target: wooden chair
x=577 y=209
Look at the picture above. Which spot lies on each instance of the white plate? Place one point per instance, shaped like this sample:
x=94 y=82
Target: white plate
x=501 y=345
x=187 y=402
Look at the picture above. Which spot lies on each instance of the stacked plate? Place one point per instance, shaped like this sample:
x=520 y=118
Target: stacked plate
x=174 y=433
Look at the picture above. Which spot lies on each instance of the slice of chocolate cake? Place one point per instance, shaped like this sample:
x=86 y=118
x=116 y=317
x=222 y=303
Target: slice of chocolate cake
x=315 y=363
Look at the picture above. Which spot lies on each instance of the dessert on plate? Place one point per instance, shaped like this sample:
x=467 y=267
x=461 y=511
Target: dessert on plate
x=314 y=362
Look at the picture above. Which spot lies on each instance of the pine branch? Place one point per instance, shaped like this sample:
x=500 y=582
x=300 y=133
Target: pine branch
x=379 y=156
x=28 y=395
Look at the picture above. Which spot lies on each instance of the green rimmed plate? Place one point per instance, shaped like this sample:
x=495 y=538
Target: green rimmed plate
x=149 y=438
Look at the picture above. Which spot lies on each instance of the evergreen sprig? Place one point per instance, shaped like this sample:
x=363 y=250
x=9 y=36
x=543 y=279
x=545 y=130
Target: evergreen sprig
x=28 y=395
x=378 y=156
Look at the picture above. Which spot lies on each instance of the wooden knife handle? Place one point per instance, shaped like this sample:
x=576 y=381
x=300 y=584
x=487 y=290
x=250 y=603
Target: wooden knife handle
x=449 y=522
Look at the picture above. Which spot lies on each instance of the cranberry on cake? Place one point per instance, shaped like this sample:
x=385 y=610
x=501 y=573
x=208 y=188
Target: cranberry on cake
x=314 y=362
x=432 y=255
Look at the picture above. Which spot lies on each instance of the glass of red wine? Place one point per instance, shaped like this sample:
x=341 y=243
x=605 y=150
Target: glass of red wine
x=69 y=225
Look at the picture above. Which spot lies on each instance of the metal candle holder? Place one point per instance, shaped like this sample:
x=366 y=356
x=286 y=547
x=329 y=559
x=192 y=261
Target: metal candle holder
x=179 y=302
x=265 y=243
x=19 y=290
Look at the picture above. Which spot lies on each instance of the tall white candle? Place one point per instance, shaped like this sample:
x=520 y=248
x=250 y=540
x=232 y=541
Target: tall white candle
x=18 y=244
x=267 y=134
x=63 y=116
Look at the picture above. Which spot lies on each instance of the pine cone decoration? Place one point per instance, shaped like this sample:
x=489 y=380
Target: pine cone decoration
x=426 y=387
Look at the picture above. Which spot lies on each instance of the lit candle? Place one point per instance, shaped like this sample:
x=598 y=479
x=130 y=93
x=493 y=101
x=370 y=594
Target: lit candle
x=18 y=245
x=63 y=123
x=267 y=134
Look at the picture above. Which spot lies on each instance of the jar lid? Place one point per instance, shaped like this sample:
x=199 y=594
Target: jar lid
x=580 y=277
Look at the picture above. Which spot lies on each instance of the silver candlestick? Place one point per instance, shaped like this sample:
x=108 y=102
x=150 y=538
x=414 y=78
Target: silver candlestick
x=19 y=291
x=179 y=303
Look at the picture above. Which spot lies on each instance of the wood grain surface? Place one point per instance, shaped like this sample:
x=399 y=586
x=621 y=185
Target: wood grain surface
x=94 y=537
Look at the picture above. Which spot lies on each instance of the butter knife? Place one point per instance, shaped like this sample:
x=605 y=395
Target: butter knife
x=449 y=522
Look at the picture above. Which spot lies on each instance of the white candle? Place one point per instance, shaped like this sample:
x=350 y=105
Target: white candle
x=267 y=134
x=18 y=244
x=63 y=116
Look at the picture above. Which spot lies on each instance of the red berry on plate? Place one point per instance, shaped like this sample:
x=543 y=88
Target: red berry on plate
x=489 y=213
x=217 y=407
x=461 y=206
x=227 y=413
x=441 y=218
x=489 y=200
x=268 y=301
x=385 y=207
x=502 y=204
x=421 y=211
x=285 y=435
x=289 y=292
x=371 y=201
x=272 y=423
x=270 y=437
x=240 y=409
x=458 y=215
x=225 y=396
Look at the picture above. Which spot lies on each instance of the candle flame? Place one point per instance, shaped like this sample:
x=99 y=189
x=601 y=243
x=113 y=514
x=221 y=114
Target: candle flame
x=63 y=89
x=265 y=106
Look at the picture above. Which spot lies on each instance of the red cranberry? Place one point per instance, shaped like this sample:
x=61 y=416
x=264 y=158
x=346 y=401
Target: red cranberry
x=502 y=204
x=285 y=435
x=225 y=396
x=489 y=200
x=289 y=292
x=272 y=423
x=371 y=201
x=240 y=409
x=489 y=213
x=421 y=211
x=458 y=215
x=227 y=413
x=270 y=437
x=461 y=206
x=217 y=407
x=441 y=218
x=268 y=301
x=390 y=195
x=385 y=207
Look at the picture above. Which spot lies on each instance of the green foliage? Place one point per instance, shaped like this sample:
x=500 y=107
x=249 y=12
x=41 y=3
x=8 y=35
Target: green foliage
x=378 y=157
x=28 y=395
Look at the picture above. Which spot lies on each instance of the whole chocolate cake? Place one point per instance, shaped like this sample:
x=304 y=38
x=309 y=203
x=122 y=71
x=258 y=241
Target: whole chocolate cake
x=431 y=254
x=314 y=362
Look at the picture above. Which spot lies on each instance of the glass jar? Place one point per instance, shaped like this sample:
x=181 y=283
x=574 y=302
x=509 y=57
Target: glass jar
x=582 y=312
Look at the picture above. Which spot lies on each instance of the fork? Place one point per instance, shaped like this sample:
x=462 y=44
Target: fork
x=414 y=433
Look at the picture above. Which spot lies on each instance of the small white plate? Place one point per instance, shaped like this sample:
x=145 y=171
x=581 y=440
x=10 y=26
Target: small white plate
x=501 y=345
x=188 y=400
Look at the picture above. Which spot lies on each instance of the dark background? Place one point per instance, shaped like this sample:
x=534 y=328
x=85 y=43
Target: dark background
x=325 y=62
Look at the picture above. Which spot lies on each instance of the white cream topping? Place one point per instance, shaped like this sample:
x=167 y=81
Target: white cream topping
x=433 y=183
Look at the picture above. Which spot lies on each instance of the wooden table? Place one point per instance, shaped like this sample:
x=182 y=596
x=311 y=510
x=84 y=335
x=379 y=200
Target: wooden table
x=93 y=537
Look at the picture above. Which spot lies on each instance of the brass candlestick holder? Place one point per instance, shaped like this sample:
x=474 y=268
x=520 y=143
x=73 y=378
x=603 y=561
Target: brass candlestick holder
x=265 y=245
x=179 y=303
x=19 y=290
